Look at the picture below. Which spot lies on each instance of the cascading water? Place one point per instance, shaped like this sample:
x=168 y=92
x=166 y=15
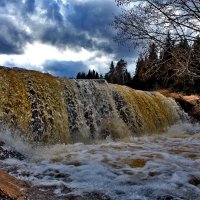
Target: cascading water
x=118 y=156
x=55 y=110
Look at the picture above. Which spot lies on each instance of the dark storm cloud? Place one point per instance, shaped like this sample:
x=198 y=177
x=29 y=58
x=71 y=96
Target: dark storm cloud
x=85 y=25
x=64 y=68
x=29 y=6
x=53 y=10
x=94 y=18
x=73 y=24
x=65 y=38
x=12 y=38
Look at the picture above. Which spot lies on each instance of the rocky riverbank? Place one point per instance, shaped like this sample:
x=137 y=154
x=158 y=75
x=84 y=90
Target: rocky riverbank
x=15 y=189
x=189 y=103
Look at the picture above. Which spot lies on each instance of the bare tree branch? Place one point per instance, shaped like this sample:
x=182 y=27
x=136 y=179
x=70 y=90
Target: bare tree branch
x=151 y=20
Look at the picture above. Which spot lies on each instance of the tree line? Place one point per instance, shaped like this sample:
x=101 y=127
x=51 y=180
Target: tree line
x=117 y=74
x=170 y=31
x=172 y=28
x=92 y=74
x=175 y=66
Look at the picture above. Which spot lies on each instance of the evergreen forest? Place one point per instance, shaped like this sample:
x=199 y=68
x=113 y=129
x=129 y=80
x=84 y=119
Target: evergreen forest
x=175 y=66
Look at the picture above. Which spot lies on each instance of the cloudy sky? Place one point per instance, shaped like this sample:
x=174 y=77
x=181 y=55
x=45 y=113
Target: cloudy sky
x=61 y=37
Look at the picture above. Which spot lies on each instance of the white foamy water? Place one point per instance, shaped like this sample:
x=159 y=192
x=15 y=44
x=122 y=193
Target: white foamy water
x=151 y=167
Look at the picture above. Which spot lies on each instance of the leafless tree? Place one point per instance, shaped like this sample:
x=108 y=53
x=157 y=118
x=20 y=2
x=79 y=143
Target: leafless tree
x=151 y=21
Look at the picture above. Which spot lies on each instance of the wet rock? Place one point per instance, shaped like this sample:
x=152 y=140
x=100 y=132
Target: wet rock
x=169 y=197
x=55 y=174
x=6 y=153
x=96 y=196
x=11 y=188
x=194 y=180
x=89 y=196
x=46 y=193
x=2 y=143
x=154 y=173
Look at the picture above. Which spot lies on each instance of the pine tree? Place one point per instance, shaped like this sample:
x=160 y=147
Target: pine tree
x=137 y=79
x=120 y=72
x=195 y=63
x=89 y=75
x=166 y=63
x=93 y=74
x=78 y=76
x=96 y=75
x=110 y=75
x=166 y=54
x=153 y=57
x=127 y=77
x=83 y=75
x=181 y=75
x=139 y=67
x=150 y=76
x=196 y=55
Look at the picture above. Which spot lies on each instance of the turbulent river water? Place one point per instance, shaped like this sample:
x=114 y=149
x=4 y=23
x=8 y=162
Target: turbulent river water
x=162 y=167
x=90 y=140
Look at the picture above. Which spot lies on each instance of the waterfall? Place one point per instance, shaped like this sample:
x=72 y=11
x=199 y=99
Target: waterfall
x=75 y=139
x=58 y=110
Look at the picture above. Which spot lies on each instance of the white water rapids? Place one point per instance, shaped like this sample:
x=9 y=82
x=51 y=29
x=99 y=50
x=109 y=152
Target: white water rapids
x=150 y=167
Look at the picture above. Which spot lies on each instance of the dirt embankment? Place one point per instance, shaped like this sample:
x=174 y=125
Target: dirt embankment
x=189 y=103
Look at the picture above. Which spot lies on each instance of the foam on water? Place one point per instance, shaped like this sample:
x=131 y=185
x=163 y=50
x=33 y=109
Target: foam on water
x=13 y=140
x=147 y=167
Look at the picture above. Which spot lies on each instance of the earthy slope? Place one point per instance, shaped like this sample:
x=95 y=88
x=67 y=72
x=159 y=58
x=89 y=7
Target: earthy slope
x=189 y=103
